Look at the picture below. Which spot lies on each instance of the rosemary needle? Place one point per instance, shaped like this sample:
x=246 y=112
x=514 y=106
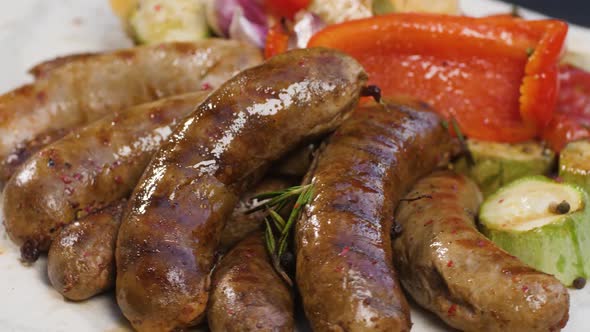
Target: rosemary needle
x=461 y=137
x=275 y=223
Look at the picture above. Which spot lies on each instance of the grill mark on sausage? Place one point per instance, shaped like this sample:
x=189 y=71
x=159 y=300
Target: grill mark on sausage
x=500 y=292
x=212 y=158
x=74 y=90
x=342 y=238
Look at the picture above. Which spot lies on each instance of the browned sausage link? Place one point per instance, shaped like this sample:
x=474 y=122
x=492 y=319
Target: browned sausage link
x=87 y=170
x=166 y=245
x=240 y=224
x=25 y=150
x=247 y=294
x=344 y=261
x=44 y=68
x=297 y=162
x=451 y=269
x=84 y=88
x=81 y=259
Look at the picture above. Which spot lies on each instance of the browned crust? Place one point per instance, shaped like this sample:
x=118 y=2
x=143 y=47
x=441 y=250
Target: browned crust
x=344 y=269
x=247 y=294
x=451 y=269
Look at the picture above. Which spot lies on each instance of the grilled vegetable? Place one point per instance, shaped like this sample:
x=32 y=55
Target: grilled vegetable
x=452 y=270
x=544 y=223
x=497 y=164
x=336 y=11
x=571 y=119
x=574 y=164
x=417 y=6
x=495 y=93
x=156 y=21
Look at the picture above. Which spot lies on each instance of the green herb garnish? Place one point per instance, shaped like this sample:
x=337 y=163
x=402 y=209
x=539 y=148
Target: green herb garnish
x=461 y=137
x=277 y=230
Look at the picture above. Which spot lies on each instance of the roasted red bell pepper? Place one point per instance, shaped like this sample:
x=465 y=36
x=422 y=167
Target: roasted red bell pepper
x=497 y=76
x=571 y=120
x=285 y=8
x=277 y=41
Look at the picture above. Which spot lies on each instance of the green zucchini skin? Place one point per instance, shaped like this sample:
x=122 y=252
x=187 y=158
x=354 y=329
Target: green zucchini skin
x=574 y=164
x=497 y=164
x=453 y=270
x=560 y=247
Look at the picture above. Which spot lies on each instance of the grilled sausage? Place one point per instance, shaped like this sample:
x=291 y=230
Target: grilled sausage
x=81 y=259
x=43 y=69
x=87 y=170
x=451 y=269
x=26 y=150
x=295 y=163
x=247 y=294
x=166 y=245
x=240 y=224
x=344 y=268
x=79 y=89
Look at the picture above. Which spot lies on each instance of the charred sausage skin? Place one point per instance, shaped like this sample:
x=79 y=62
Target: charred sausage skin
x=26 y=150
x=451 y=269
x=76 y=90
x=345 y=269
x=167 y=241
x=81 y=263
x=87 y=170
x=247 y=294
x=81 y=259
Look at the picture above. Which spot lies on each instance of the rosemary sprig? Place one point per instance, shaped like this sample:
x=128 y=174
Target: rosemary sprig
x=276 y=224
x=461 y=137
x=269 y=237
x=275 y=198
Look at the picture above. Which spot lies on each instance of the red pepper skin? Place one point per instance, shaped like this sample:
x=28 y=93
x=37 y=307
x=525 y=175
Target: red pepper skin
x=285 y=8
x=277 y=41
x=571 y=120
x=540 y=85
x=477 y=70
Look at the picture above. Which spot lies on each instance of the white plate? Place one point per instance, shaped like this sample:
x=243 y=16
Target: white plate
x=34 y=30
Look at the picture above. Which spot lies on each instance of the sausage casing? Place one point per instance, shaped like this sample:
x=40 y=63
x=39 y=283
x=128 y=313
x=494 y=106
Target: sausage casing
x=451 y=269
x=247 y=294
x=166 y=245
x=344 y=268
x=87 y=170
x=76 y=90
x=81 y=259
x=25 y=151
x=80 y=262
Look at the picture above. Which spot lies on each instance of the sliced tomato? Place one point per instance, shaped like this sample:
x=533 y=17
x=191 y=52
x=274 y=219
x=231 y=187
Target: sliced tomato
x=572 y=118
x=496 y=76
x=277 y=41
